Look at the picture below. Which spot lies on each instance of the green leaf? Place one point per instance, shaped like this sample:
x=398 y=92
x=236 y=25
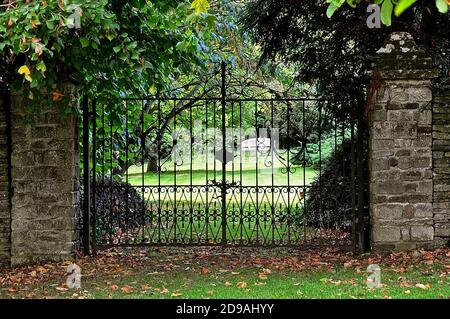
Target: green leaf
x=331 y=10
x=117 y=48
x=50 y=24
x=386 y=12
x=402 y=5
x=442 y=6
x=353 y=3
x=41 y=67
x=200 y=6
x=84 y=42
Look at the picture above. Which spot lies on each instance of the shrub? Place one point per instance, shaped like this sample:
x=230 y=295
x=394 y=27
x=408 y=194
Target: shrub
x=118 y=207
x=329 y=202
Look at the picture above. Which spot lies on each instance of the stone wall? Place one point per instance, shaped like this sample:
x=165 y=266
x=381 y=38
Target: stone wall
x=441 y=164
x=400 y=160
x=5 y=208
x=45 y=170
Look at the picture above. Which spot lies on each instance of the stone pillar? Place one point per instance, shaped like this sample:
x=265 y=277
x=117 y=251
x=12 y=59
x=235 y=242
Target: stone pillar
x=441 y=165
x=400 y=159
x=5 y=208
x=45 y=169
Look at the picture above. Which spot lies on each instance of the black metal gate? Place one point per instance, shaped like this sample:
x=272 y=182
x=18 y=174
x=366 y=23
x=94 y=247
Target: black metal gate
x=221 y=171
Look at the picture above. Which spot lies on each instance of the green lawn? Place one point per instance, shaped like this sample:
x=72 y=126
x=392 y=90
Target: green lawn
x=247 y=173
x=236 y=273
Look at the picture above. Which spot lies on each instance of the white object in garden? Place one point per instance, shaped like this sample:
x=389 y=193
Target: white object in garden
x=253 y=144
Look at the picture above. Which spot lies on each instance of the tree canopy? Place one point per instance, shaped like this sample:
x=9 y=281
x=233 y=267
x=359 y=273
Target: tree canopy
x=336 y=54
x=106 y=46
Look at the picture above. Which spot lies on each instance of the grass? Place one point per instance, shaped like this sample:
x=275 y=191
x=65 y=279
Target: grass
x=236 y=273
x=246 y=173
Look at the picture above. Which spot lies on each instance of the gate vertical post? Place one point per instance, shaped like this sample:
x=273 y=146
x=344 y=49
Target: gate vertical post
x=224 y=163
x=362 y=245
x=94 y=174
x=86 y=178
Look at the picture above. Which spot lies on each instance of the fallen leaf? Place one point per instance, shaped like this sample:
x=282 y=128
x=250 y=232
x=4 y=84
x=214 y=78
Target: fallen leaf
x=114 y=287
x=422 y=286
x=127 y=289
x=164 y=291
x=262 y=276
x=205 y=270
x=228 y=284
x=176 y=294
x=241 y=285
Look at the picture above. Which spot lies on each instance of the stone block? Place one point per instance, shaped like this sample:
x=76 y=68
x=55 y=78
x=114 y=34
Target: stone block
x=387 y=211
x=422 y=233
x=386 y=234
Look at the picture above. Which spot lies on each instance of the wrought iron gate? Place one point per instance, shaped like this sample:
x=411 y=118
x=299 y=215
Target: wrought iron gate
x=220 y=171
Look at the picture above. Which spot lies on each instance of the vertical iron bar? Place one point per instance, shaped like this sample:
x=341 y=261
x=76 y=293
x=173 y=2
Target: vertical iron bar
x=191 y=189
x=272 y=190
x=353 y=173
x=158 y=158
x=288 y=157
x=257 y=172
x=86 y=178
x=143 y=170
x=305 y=208
x=224 y=163
x=207 y=173
x=94 y=176
x=241 y=189
x=127 y=207
x=111 y=186
x=360 y=177
x=320 y=164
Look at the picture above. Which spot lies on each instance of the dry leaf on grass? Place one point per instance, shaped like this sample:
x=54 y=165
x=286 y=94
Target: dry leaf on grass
x=241 y=285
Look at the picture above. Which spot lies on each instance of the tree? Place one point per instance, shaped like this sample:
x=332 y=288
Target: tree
x=335 y=55
x=98 y=45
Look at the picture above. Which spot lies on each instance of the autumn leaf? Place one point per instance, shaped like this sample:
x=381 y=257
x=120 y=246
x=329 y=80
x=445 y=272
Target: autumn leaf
x=164 y=291
x=25 y=71
x=127 y=289
x=114 y=287
x=241 y=285
x=200 y=6
x=205 y=270
x=176 y=294
x=262 y=276
x=228 y=284
x=422 y=286
x=57 y=96
x=348 y=264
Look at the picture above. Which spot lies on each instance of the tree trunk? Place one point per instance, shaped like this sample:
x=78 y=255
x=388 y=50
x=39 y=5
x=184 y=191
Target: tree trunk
x=152 y=166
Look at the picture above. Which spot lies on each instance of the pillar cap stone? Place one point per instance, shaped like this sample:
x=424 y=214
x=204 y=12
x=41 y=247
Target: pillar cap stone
x=401 y=58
